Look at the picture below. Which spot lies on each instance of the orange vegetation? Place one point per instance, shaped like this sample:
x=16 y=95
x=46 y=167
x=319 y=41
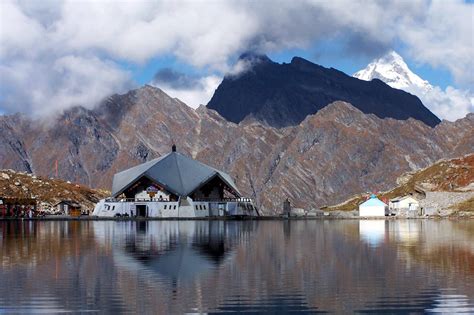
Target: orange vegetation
x=446 y=175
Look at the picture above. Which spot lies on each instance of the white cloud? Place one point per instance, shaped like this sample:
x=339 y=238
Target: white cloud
x=18 y=32
x=201 y=33
x=36 y=36
x=199 y=93
x=42 y=87
x=450 y=104
x=443 y=37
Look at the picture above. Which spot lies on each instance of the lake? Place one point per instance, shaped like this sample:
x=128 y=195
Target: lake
x=163 y=267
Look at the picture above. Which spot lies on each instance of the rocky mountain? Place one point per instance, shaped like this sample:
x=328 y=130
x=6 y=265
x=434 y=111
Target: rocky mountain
x=329 y=156
x=47 y=191
x=447 y=185
x=283 y=95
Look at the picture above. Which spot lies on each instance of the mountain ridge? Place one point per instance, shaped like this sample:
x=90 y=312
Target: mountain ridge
x=283 y=95
x=329 y=156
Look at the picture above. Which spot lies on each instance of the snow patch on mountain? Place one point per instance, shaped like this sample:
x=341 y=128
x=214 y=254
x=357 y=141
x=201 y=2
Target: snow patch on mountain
x=393 y=70
x=449 y=104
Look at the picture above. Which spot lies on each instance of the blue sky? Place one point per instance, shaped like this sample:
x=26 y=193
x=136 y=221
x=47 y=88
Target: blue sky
x=328 y=54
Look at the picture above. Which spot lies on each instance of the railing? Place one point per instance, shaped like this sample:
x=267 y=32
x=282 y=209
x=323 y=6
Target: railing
x=137 y=200
x=222 y=200
x=195 y=200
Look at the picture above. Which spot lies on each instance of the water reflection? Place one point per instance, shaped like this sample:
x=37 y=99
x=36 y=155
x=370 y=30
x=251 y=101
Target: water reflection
x=429 y=301
x=370 y=266
x=176 y=250
x=372 y=231
x=406 y=231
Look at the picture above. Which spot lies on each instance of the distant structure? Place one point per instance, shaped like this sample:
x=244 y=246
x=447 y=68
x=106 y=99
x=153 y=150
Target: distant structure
x=69 y=207
x=174 y=186
x=17 y=207
x=286 y=208
x=406 y=205
x=3 y=208
x=373 y=207
x=405 y=202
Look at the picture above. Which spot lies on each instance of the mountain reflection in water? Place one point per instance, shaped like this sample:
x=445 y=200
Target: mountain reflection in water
x=372 y=266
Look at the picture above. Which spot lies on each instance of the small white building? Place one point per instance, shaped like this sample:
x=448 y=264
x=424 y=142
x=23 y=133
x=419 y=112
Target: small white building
x=373 y=207
x=406 y=202
x=297 y=212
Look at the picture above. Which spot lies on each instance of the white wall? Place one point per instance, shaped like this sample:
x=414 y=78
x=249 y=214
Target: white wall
x=190 y=209
x=143 y=195
x=372 y=211
x=154 y=209
x=405 y=204
x=63 y=208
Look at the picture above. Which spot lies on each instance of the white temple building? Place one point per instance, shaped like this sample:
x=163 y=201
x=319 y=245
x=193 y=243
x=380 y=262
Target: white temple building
x=373 y=207
x=174 y=186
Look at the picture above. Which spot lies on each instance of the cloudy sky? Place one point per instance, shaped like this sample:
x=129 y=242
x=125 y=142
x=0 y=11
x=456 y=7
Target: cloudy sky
x=58 y=54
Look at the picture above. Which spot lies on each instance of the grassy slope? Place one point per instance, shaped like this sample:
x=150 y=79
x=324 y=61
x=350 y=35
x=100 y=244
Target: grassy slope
x=467 y=205
x=50 y=191
x=445 y=175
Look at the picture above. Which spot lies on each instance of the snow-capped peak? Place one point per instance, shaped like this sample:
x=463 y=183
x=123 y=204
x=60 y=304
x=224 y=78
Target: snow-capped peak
x=450 y=103
x=393 y=70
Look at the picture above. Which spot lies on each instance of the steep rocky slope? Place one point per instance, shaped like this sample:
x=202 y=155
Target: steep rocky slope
x=46 y=191
x=445 y=179
x=284 y=94
x=328 y=157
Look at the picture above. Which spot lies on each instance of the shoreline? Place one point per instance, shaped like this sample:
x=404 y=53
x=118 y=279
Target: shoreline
x=265 y=218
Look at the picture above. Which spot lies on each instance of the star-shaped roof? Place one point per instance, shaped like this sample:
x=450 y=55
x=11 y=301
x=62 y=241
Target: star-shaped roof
x=176 y=172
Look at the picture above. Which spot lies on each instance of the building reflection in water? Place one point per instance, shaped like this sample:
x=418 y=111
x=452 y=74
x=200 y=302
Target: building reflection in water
x=376 y=231
x=372 y=231
x=405 y=231
x=168 y=267
x=448 y=301
x=178 y=250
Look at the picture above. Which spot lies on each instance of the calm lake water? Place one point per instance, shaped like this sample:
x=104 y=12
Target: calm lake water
x=163 y=267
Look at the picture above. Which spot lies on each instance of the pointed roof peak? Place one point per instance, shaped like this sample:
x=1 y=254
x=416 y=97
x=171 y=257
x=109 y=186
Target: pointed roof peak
x=177 y=173
x=373 y=201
